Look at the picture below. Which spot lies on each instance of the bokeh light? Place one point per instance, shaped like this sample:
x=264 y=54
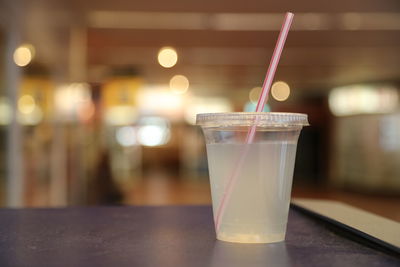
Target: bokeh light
x=151 y=135
x=154 y=131
x=167 y=57
x=179 y=84
x=280 y=91
x=255 y=94
x=23 y=55
x=251 y=107
x=26 y=104
x=126 y=136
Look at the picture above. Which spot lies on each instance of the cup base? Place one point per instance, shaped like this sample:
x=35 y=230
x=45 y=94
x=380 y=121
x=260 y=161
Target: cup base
x=251 y=238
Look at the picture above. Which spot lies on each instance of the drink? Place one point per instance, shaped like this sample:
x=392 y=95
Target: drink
x=259 y=203
x=251 y=177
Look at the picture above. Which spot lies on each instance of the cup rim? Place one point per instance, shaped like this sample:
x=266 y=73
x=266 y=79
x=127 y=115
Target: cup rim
x=262 y=119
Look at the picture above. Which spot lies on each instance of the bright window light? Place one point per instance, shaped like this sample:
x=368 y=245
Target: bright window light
x=363 y=99
x=158 y=100
x=154 y=131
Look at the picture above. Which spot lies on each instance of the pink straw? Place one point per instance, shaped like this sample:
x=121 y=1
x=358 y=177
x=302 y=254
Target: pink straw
x=269 y=77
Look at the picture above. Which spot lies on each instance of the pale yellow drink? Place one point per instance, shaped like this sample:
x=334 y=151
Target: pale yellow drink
x=258 y=205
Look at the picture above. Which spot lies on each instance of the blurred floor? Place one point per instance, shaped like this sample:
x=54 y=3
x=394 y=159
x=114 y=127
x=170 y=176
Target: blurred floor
x=161 y=189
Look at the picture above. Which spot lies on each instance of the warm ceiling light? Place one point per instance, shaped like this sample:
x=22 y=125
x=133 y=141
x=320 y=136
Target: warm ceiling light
x=167 y=57
x=23 y=55
x=280 y=91
x=255 y=94
x=179 y=84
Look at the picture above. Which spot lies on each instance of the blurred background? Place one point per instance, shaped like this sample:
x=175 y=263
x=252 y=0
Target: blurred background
x=98 y=98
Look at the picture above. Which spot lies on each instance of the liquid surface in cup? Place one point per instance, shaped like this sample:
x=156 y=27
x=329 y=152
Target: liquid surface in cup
x=257 y=209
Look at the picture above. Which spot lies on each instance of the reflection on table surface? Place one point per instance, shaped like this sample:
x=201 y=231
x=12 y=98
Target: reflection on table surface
x=237 y=255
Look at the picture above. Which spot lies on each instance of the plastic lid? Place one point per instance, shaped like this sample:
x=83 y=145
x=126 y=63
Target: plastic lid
x=263 y=119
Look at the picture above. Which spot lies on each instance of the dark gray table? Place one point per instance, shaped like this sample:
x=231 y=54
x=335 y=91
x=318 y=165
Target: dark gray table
x=166 y=236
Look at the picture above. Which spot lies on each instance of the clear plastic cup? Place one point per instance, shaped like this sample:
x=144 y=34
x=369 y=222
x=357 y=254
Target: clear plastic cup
x=257 y=204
